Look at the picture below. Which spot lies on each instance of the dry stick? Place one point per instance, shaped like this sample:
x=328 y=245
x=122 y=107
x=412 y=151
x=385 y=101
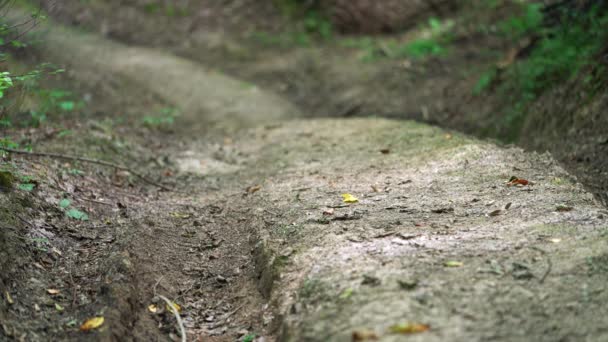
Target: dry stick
x=86 y=160
x=549 y=263
x=171 y=306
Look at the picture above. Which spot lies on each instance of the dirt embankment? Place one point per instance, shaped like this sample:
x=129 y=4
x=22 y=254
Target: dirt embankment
x=260 y=239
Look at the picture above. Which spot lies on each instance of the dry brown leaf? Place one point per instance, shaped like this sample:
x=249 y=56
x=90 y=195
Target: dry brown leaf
x=496 y=212
x=509 y=59
x=365 y=335
x=254 y=189
x=53 y=292
x=518 y=181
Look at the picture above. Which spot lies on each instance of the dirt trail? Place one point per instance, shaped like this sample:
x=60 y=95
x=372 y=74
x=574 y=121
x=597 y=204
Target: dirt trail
x=436 y=236
x=184 y=84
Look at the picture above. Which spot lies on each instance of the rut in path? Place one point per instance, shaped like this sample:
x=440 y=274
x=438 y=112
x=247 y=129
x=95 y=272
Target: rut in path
x=435 y=237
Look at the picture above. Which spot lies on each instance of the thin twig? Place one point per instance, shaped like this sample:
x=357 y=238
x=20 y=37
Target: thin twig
x=549 y=263
x=171 y=306
x=86 y=160
x=156 y=284
x=93 y=201
x=223 y=319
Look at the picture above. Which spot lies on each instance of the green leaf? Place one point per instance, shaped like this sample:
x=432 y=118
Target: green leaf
x=77 y=215
x=76 y=172
x=346 y=293
x=65 y=203
x=64 y=133
x=249 y=338
x=453 y=264
x=67 y=106
x=26 y=186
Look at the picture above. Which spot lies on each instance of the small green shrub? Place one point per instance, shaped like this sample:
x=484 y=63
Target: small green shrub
x=530 y=21
x=558 y=55
x=164 y=119
x=434 y=44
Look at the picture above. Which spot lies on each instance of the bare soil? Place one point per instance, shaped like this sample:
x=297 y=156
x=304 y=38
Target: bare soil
x=256 y=238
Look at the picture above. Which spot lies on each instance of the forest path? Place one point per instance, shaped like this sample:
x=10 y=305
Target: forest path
x=261 y=240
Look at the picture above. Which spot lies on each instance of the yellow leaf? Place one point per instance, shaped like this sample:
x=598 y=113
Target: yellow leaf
x=58 y=307
x=92 y=323
x=180 y=215
x=53 y=291
x=152 y=308
x=9 y=299
x=175 y=305
x=409 y=328
x=348 y=198
x=454 y=264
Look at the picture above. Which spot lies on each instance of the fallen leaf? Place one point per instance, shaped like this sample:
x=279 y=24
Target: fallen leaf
x=346 y=293
x=153 y=308
x=175 y=306
x=563 y=208
x=448 y=136
x=58 y=307
x=442 y=210
x=517 y=181
x=9 y=299
x=496 y=212
x=180 y=215
x=92 y=323
x=453 y=264
x=385 y=151
x=509 y=58
x=253 y=189
x=64 y=203
x=77 y=215
x=555 y=240
x=365 y=335
x=375 y=188
x=348 y=198
x=53 y=291
x=508 y=206
x=409 y=328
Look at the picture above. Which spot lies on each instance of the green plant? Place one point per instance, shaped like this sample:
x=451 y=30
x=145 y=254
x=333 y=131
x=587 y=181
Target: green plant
x=558 y=55
x=249 y=338
x=530 y=21
x=433 y=43
x=73 y=213
x=165 y=118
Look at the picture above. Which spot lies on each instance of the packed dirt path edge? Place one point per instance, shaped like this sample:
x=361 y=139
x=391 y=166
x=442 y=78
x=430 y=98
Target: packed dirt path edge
x=436 y=237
